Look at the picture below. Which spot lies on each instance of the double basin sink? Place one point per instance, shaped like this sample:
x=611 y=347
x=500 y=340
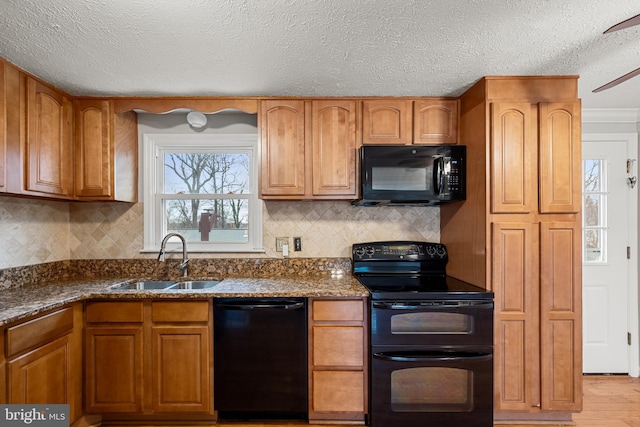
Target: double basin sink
x=168 y=284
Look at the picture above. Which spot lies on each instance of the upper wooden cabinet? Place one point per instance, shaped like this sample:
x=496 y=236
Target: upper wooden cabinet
x=522 y=133
x=435 y=121
x=106 y=152
x=513 y=153
x=333 y=161
x=386 y=121
x=3 y=130
x=282 y=148
x=49 y=143
x=308 y=149
x=36 y=137
x=399 y=121
x=560 y=157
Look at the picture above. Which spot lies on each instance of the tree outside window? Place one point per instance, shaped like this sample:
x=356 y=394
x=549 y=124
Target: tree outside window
x=207 y=173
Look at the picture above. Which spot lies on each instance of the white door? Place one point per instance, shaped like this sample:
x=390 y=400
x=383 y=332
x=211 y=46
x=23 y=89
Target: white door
x=606 y=267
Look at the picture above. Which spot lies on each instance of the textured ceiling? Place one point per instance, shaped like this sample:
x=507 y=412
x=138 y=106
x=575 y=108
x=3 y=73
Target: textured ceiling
x=319 y=47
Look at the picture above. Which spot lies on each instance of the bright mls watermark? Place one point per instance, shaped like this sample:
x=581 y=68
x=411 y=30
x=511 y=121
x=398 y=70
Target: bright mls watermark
x=34 y=415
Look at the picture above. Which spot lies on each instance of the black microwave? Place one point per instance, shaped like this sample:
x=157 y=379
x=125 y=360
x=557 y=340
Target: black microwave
x=412 y=175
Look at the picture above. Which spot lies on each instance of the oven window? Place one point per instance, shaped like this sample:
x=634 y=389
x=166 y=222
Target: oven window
x=432 y=389
x=431 y=323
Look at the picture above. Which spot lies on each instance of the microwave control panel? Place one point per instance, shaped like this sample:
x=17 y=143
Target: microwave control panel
x=452 y=173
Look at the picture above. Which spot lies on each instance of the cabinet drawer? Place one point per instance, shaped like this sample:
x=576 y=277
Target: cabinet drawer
x=36 y=332
x=338 y=346
x=180 y=311
x=338 y=310
x=338 y=391
x=111 y=312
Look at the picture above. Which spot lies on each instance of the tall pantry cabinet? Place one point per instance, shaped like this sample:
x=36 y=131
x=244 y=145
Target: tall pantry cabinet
x=519 y=235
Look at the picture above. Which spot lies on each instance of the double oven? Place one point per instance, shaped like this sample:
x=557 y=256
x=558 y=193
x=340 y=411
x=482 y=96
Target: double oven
x=431 y=338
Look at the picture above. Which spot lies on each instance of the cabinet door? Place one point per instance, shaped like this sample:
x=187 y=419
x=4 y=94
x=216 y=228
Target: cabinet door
x=515 y=279
x=386 y=122
x=282 y=148
x=560 y=157
x=3 y=130
x=3 y=371
x=49 y=141
x=94 y=150
x=513 y=159
x=334 y=148
x=435 y=121
x=113 y=363
x=560 y=315
x=43 y=375
x=181 y=374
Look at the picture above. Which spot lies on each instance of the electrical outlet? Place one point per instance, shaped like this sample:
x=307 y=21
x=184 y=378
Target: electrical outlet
x=297 y=244
x=281 y=241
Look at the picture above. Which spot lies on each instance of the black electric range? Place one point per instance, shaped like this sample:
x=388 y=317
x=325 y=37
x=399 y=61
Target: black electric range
x=431 y=338
x=409 y=270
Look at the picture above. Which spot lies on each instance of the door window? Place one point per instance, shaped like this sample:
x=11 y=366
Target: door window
x=594 y=211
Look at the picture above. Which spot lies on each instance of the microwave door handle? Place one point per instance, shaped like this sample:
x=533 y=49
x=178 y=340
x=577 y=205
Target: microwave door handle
x=437 y=174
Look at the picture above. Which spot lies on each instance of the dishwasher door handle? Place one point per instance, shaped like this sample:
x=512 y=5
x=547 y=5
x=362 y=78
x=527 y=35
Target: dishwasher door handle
x=257 y=306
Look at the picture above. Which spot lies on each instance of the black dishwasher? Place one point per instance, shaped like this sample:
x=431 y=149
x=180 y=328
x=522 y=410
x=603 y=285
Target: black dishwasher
x=260 y=358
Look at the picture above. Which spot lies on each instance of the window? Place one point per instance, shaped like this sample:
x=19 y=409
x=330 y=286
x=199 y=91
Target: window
x=594 y=211
x=205 y=188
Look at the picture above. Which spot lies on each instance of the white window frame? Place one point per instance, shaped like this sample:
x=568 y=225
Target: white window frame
x=154 y=145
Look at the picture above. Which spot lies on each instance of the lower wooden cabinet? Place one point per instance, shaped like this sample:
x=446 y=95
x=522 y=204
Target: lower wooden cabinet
x=181 y=340
x=44 y=361
x=148 y=357
x=338 y=380
x=42 y=375
x=113 y=360
x=3 y=371
x=537 y=276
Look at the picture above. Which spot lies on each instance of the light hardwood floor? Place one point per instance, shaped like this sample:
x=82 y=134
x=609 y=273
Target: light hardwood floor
x=609 y=401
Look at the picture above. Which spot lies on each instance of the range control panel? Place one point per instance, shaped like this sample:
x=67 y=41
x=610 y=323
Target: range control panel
x=399 y=250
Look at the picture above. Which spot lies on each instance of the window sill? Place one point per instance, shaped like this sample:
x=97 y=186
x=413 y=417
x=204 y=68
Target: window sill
x=203 y=251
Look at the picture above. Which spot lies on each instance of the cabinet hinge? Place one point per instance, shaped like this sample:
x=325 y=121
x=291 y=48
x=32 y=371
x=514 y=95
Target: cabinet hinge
x=628 y=338
x=628 y=252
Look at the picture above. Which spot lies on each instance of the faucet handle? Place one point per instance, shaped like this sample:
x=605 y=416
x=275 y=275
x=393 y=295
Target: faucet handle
x=183 y=267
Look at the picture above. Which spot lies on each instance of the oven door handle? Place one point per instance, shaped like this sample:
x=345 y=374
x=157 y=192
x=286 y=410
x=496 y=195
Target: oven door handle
x=445 y=306
x=438 y=357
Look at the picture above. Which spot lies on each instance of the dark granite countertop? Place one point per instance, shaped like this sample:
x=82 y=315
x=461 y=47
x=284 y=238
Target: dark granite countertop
x=21 y=302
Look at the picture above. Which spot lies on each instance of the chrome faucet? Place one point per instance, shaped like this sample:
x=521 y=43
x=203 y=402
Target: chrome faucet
x=185 y=260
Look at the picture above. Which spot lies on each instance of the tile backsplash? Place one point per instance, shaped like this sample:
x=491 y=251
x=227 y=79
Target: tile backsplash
x=33 y=231
x=37 y=231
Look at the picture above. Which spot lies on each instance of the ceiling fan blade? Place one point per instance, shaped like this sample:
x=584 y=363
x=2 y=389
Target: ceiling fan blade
x=618 y=80
x=624 y=24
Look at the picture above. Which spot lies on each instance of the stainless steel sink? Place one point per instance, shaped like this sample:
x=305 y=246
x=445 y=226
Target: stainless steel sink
x=195 y=284
x=148 y=284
